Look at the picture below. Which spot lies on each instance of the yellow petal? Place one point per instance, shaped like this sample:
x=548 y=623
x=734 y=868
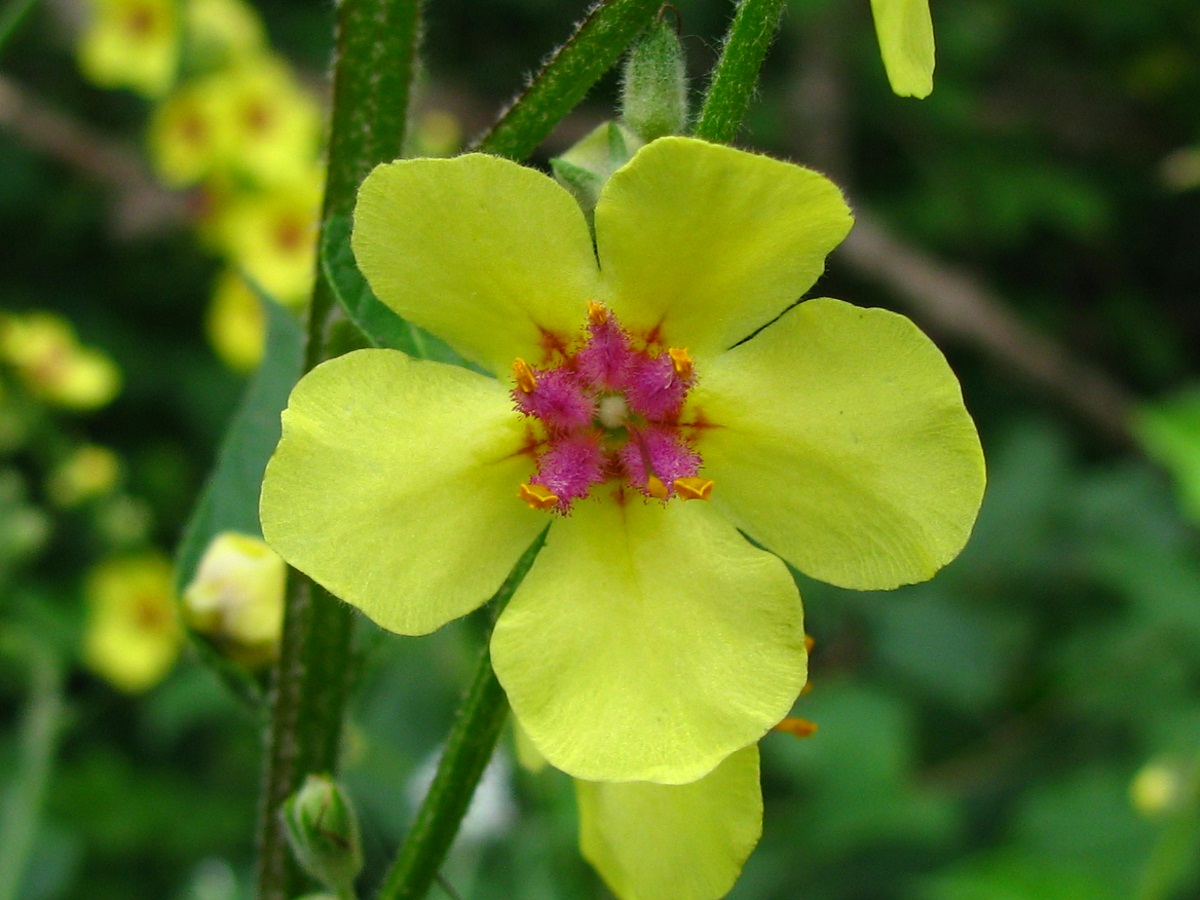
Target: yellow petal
x=712 y=242
x=905 y=32
x=649 y=642
x=486 y=254
x=686 y=842
x=395 y=484
x=843 y=445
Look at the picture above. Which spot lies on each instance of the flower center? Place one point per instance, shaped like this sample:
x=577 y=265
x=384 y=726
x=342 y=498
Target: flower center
x=608 y=412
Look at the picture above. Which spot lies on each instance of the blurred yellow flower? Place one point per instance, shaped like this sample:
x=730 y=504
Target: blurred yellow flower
x=222 y=32
x=236 y=325
x=132 y=634
x=236 y=598
x=189 y=133
x=90 y=471
x=132 y=44
x=42 y=348
x=271 y=236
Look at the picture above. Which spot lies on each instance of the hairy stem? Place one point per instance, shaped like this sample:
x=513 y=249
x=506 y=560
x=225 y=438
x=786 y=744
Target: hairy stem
x=736 y=74
x=597 y=44
x=469 y=746
x=376 y=45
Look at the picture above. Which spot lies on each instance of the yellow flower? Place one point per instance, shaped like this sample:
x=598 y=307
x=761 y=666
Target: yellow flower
x=667 y=362
x=132 y=634
x=236 y=597
x=133 y=44
x=190 y=133
x=236 y=324
x=89 y=472
x=271 y=236
x=222 y=32
x=53 y=366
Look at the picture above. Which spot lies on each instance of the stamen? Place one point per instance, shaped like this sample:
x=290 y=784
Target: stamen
x=694 y=488
x=537 y=496
x=526 y=380
x=681 y=362
x=655 y=488
x=597 y=313
x=797 y=727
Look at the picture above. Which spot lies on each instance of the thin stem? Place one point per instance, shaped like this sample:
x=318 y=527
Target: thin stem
x=597 y=44
x=39 y=734
x=376 y=46
x=469 y=746
x=736 y=74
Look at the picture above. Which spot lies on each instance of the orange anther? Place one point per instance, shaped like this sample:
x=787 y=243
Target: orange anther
x=655 y=488
x=694 y=488
x=537 y=496
x=797 y=727
x=809 y=643
x=526 y=380
x=681 y=362
x=597 y=313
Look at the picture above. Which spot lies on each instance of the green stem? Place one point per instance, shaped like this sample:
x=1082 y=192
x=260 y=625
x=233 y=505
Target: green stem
x=376 y=47
x=594 y=48
x=477 y=726
x=736 y=74
x=39 y=733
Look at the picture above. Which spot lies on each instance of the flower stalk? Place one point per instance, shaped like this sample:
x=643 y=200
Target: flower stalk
x=734 y=78
x=376 y=48
x=477 y=726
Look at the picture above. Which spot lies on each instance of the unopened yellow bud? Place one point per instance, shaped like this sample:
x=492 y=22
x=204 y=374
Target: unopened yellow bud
x=537 y=496
x=236 y=598
x=694 y=488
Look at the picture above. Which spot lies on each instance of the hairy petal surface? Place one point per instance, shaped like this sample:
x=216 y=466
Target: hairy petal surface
x=905 y=32
x=394 y=486
x=486 y=254
x=647 y=643
x=713 y=242
x=842 y=444
x=685 y=841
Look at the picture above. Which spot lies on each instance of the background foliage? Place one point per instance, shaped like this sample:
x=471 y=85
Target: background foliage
x=979 y=734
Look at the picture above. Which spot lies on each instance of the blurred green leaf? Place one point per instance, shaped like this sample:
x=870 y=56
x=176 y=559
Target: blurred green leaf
x=1009 y=875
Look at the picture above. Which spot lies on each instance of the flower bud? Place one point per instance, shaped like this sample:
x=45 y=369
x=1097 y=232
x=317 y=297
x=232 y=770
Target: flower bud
x=323 y=830
x=654 y=93
x=89 y=472
x=585 y=168
x=236 y=598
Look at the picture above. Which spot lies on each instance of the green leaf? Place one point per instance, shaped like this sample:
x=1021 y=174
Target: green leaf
x=230 y=499
x=381 y=326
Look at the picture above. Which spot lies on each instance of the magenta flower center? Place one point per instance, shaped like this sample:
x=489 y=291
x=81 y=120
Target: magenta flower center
x=608 y=411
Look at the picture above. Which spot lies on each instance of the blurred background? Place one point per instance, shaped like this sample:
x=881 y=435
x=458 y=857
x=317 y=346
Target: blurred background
x=1027 y=725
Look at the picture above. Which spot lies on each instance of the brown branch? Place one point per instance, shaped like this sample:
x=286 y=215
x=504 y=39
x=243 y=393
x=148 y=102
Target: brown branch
x=141 y=205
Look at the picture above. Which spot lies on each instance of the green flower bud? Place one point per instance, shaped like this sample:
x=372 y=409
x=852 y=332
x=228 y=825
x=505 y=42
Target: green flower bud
x=584 y=168
x=654 y=93
x=323 y=830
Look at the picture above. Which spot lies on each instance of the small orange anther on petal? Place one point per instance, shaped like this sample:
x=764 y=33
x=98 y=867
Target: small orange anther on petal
x=524 y=375
x=681 y=362
x=797 y=727
x=809 y=643
x=597 y=313
x=694 y=488
x=655 y=488
x=537 y=496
